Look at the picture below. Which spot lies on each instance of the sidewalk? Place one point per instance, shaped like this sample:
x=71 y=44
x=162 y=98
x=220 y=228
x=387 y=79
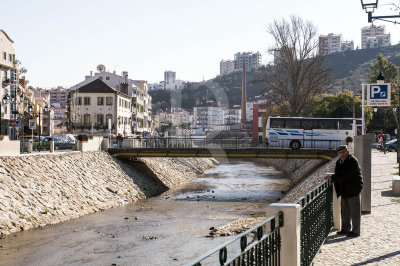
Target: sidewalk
x=379 y=243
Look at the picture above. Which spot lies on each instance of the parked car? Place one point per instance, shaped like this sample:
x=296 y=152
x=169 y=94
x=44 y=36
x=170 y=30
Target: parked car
x=59 y=143
x=391 y=145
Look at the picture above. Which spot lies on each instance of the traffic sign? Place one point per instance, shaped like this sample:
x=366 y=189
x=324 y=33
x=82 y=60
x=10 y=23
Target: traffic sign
x=378 y=94
x=32 y=124
x=17 y=122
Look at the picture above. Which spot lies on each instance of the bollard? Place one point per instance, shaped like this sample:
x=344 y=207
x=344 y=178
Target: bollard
x=30 y=146
x=51 y=146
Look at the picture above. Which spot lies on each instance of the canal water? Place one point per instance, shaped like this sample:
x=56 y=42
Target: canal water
x=170 y=229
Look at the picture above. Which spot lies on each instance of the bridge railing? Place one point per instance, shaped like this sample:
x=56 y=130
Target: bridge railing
x=296 y=241
x=259 y=245
x=233 y=143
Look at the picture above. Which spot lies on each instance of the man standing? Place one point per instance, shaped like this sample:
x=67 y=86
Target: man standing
x=348 y=184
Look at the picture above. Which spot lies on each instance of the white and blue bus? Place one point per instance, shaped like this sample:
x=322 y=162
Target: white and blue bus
x=310 y=132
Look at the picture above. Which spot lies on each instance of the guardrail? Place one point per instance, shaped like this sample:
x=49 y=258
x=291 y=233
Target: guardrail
x=316 y=220
x=313 y=213
x=263 y=249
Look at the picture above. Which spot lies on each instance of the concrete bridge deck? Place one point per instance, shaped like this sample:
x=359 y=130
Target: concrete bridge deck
x=224 y=152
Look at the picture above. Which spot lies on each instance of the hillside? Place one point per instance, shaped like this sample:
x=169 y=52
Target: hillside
x=348 y=68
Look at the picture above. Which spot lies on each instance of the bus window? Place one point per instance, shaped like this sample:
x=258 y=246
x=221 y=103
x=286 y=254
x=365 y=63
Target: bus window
x=276 y=123
x=328 y=124
x=345 y=124
x=293 y=124
x=309 y=124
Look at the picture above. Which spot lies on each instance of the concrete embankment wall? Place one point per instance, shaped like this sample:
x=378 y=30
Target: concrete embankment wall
x=37 y=190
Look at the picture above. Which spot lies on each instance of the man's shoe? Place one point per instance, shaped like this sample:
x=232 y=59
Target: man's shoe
x=342 y=232
x=352 y=234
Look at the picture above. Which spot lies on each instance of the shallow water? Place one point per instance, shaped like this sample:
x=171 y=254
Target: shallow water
x=166 y=230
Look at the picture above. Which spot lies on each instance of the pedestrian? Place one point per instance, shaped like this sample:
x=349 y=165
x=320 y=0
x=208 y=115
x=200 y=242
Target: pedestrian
x=348 y=185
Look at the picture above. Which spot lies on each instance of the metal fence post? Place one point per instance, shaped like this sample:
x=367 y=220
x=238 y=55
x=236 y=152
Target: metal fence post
x=290 y=232
x=336 y=211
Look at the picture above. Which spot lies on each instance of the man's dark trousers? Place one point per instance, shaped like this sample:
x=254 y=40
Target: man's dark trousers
x=351 y=211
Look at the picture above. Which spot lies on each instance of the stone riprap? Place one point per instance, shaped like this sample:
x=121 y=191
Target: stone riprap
x=38 y=190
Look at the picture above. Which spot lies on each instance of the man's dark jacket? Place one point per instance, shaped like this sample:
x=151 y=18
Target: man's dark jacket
x=347 y=178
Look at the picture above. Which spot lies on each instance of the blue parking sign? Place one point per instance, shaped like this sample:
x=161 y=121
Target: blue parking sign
x=378 y=94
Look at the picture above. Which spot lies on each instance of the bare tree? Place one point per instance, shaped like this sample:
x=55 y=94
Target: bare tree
x=299 y=71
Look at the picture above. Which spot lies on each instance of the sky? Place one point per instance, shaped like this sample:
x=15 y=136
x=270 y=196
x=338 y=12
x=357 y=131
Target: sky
x=59 y=42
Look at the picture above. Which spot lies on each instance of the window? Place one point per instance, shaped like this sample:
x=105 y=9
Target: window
x=10 y=57
x=100 y=119
x=100 y=100
x=4 y=55
x=107 y=78
x=78 y=101
x=327 y=124
x=276 y=123
x=310 y=124
x=86 y=119
x=109 y=100
x=345 y=124
x=86 y=101
x=293 y=124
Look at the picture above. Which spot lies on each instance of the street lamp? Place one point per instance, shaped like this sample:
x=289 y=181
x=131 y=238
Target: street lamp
x=3 y=102
x=369 y=7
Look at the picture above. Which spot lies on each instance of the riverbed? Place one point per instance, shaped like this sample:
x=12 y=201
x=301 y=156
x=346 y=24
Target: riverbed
x=169 y=229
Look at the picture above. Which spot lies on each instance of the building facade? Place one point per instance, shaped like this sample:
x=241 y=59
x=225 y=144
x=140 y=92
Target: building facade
x=136 y=89
x=96 y=106
x=374 y=36
x=208 y=115
x=226 y=67
x=8 y=80
x=59 y=95
x=347 y=46
x=251 y=60
x=330 y=43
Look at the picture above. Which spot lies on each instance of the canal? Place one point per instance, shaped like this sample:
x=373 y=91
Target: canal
x=169 y=229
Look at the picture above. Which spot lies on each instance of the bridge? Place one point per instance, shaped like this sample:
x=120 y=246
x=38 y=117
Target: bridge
x=214 y=151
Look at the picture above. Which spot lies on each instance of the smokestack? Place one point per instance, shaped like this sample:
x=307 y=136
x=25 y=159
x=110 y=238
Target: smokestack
x=243 y=114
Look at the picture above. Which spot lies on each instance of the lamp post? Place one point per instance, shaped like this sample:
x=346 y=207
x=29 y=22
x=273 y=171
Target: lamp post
x=3 y=102
x=369 y=7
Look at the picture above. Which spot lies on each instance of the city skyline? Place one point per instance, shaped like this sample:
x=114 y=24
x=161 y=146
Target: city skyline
x=60 y=44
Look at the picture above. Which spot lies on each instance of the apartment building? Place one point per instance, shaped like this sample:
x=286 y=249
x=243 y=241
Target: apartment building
x=374 y=36
x=232 y=115
x=141 y=109
x=251 y=60
x=8 y=79
x=226 y=67
x=59 y=95
x=205 y=116
x=96 y=105
x=170 y=81
x=347 y=46
x=330 y=43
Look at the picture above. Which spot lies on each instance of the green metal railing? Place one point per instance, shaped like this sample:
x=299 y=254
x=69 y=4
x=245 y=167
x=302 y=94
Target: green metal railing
x=263 y=249
x=316 y=220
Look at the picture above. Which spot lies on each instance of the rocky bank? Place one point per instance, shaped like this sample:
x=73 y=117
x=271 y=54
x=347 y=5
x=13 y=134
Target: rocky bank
x=37 y=190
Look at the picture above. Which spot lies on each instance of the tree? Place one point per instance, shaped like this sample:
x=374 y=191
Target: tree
x=299 y=72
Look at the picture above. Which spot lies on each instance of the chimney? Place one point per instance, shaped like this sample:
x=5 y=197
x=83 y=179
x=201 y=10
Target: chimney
x=125 y=75
x=91 y=73
x=243 y=114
